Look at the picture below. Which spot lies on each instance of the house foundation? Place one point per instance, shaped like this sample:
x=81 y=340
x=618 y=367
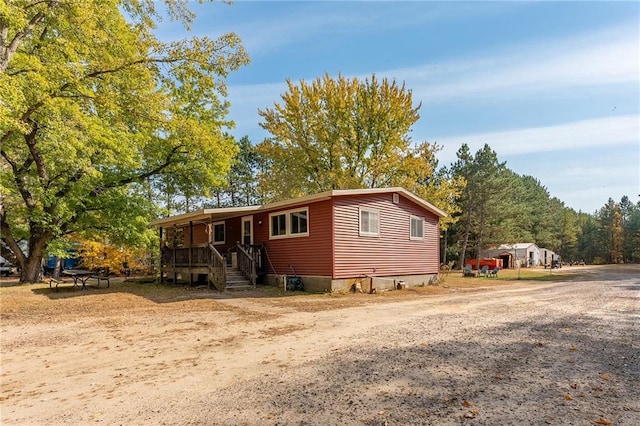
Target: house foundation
x=319 y=284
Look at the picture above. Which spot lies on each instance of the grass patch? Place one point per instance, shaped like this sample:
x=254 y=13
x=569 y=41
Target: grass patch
x=507 y=276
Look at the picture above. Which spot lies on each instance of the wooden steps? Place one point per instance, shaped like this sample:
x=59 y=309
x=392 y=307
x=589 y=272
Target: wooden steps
x=236 y=280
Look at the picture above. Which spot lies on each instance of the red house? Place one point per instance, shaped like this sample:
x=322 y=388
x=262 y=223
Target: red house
x=331 y=240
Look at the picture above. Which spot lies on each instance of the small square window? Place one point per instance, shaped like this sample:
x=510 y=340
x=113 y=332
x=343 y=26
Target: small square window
x=369 y=222
x=417 y=228
x=218 y=233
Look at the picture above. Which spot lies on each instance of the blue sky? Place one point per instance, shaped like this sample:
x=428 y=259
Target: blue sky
x=552 y=87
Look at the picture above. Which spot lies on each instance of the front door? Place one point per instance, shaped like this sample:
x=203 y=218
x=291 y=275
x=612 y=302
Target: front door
x=247 y=230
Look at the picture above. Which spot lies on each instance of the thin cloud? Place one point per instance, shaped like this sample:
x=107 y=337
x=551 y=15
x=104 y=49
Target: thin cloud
x=607 y=131
x=605 y=57
x=299 y=21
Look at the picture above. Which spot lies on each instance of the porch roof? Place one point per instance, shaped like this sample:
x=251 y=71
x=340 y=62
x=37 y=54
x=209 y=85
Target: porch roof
x=204 y=215
x=212 y=215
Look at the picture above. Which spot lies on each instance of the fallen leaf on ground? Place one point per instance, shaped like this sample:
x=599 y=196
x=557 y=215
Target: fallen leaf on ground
x=469 y=415
x=567 y=397
x=466 y=403
x=603 y=422
x=605 y=377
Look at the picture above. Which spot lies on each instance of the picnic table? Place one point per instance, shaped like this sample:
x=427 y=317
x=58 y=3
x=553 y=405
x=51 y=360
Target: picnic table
x=82 y=276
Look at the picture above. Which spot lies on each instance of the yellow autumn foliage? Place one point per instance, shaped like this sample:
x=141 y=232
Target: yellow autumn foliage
x=95 y=254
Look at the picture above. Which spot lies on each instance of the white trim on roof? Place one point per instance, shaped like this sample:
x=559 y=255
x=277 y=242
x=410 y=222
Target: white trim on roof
x=212 y=214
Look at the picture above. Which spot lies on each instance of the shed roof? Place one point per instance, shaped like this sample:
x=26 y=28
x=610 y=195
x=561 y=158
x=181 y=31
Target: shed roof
x=518 y=246
x=222 y=213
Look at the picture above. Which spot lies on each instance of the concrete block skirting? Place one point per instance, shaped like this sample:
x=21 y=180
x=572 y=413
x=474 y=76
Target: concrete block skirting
x=319 y=284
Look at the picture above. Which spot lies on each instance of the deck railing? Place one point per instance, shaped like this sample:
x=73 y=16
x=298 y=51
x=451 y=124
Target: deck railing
x=185 y=256
x=247 y=263
x=194 y=257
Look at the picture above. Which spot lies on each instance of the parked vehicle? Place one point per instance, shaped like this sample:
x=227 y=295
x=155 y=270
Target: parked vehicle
x=7 y=269
x=555 y=262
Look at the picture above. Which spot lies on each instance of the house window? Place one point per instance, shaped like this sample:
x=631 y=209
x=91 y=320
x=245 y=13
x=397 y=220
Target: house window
x=278 y=225
x=417 y=228
x=369 y=222
x=292 y=223
x=298 y=222
x=218 y=233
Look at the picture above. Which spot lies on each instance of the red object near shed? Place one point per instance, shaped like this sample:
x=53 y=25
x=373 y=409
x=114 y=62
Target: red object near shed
x=489 y=262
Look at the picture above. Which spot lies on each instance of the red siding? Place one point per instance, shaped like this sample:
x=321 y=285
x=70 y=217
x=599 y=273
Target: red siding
x=393 y=252
x=232 y=230
x=200 y=235
x=334 y=247
x=309 y=255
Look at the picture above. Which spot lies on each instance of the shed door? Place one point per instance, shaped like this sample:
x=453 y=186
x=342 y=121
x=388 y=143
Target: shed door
x=247 y=230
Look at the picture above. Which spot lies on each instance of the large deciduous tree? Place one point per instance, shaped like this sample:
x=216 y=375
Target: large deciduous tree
x=346 y=133
x=93 y=108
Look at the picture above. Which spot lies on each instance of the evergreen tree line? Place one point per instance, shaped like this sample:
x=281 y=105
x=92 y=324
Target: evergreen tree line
x=499 y=206
x=496 y=206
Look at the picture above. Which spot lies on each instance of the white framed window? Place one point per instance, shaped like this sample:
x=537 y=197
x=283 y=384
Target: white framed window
x=277 y=225
x=218 y=232
x=417 y=228
x=369 y=222
x=247 y=230
x=290 y=223
x=298 y=222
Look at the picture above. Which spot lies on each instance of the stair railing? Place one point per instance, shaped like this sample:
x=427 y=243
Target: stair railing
x=217 y=269
x=247 y=264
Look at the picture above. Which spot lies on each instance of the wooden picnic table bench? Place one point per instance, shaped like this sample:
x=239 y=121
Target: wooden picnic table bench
x=82 y=276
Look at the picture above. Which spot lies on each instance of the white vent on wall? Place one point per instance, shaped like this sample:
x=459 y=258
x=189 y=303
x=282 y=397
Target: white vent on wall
x=396 y=198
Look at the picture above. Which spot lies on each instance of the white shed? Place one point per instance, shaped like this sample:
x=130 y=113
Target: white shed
x=523 y=254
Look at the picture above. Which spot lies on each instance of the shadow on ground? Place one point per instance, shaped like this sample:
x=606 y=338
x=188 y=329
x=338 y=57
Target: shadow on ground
x=566 y=371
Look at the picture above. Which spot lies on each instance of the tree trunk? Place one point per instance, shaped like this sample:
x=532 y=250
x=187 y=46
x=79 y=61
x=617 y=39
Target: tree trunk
x=31 y=272
x=57 y=268
x=31 y=268
x=479 y=239
x=465 y=239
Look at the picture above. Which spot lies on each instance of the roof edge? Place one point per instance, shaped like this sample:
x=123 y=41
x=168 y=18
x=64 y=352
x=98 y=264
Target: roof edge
x=206 y=213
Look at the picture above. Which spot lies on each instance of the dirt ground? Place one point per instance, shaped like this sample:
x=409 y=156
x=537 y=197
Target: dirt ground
x=562 y=349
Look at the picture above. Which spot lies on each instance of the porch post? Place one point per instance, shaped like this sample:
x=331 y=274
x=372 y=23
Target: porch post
x=190 y=251
x=161 y=253
x=175 y=242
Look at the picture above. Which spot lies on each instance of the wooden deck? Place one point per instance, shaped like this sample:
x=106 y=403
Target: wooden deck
x=203 y=264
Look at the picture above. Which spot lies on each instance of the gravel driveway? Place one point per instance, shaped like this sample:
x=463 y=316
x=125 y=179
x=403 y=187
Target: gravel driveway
x=531 y=353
